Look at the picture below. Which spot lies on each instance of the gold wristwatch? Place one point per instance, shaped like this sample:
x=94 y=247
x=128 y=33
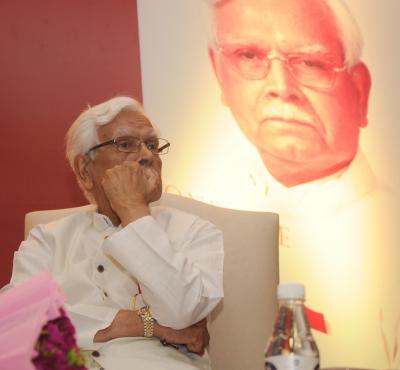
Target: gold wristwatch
x=148 y=321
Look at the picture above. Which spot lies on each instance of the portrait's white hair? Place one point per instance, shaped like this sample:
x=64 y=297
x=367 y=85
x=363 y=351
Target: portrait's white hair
x=348 y=30
x=82 y=135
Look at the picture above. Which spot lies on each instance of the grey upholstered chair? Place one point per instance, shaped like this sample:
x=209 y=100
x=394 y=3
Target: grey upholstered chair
x=241 y=324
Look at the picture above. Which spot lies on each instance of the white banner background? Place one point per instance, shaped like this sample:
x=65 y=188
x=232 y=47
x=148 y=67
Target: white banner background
x=211 y=161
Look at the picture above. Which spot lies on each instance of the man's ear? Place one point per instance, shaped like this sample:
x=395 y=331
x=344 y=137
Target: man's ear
x=362 y=80
x=216 y=68
x=211 y=54
x=81 y=163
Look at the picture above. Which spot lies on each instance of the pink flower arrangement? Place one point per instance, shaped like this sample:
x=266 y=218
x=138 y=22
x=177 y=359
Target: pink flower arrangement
x=35 y=331
x=56 y=346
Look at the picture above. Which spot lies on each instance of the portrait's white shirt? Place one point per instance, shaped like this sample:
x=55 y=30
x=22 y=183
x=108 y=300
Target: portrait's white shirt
x=337 y=236
x=176 y=259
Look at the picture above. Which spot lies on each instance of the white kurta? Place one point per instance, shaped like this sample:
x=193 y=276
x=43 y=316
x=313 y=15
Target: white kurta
x=339 y=238
x=176 y=258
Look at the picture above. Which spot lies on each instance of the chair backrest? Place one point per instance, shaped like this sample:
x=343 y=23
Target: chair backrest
x=241 y=324
x=45 y=216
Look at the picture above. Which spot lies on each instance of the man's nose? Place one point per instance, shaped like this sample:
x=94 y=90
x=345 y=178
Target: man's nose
x=279 y=82
x=145 y=157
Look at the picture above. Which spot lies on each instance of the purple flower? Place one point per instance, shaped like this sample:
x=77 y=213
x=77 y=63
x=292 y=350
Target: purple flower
x=56 y=346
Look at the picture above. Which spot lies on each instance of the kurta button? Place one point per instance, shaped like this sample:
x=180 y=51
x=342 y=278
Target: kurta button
x=96 y=354
x=100 y=268
x=105 y=293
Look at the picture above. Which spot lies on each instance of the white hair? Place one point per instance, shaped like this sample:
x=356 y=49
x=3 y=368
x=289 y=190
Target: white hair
x=348 y=30
x=82 y=135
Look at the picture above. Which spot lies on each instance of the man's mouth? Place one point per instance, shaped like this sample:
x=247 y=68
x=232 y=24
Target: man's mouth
x=286 y=114
x=292 y=126
x=288 y=120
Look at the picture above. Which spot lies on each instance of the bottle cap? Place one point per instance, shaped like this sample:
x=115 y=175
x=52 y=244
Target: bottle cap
x=291 y=291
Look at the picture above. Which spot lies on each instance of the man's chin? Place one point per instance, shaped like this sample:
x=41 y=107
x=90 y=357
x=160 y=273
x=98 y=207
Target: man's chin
x=289 y=154
x=155 y=195
x=289 y=170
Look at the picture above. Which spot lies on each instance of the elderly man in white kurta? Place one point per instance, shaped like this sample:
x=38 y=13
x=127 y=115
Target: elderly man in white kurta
x=133 y=273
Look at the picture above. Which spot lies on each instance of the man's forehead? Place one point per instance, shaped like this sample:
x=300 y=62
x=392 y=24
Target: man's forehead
x=130 y=123
x=135 y=130
x=290 y=24
x=288 y=7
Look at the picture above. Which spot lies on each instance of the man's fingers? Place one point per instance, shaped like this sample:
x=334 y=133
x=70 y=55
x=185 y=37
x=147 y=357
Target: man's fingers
x=102 y=335
x=196 y=348
x=201 y=322
x=125 y=167
x=197 y=351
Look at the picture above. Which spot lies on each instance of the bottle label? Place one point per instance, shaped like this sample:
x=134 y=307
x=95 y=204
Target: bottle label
x=291 y=362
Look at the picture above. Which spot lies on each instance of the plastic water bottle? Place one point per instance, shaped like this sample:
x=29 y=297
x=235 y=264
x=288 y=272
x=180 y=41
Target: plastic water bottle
x=291 y=346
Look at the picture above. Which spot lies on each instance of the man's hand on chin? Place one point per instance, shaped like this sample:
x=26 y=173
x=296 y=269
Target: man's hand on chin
x=154 y=184
x=130 y=187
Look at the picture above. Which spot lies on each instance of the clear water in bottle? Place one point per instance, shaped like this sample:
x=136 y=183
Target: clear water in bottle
x=291 y=346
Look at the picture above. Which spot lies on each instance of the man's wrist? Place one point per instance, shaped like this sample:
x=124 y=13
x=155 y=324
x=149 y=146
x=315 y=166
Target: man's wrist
x=160 y=331
x=148 y=321
x=132 y=214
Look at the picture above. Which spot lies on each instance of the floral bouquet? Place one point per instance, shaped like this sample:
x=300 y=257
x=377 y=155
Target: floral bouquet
x=35 y=332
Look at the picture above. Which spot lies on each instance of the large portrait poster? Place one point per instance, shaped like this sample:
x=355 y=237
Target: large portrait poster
x=276 y=106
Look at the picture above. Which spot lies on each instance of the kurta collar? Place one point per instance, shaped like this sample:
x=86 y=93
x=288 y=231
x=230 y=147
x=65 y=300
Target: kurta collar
x=101 y=222
x=332 y=192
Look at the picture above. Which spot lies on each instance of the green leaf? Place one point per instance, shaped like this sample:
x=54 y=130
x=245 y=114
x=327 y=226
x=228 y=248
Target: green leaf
x=75 y=358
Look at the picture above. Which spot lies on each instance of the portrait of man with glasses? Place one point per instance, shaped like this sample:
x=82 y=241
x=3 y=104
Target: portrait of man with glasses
x=291 y=74
x=296 y=88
